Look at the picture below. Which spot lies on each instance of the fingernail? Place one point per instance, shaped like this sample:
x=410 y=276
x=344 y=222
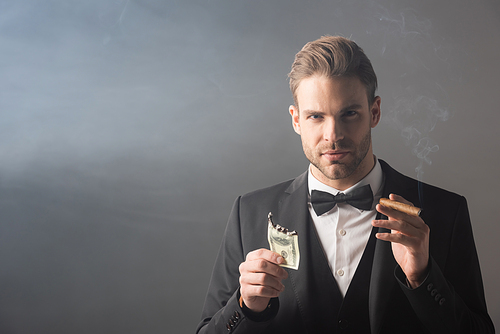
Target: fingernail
x=280 y=260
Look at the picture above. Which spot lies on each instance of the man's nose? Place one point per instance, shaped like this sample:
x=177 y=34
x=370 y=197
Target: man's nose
x=332 y=131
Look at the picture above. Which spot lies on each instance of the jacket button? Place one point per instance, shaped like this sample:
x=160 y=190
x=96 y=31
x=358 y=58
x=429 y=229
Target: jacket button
x=441 y=302
x=429 y=287
x=236 y=315
x=228 y=327
x=343 y=324
x=433 y=292
x=437 y=297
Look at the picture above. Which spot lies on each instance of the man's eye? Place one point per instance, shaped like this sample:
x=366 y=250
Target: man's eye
x=350 y=113
x=314 y=116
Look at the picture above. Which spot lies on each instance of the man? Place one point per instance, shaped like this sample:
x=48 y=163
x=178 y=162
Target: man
x=368 y=269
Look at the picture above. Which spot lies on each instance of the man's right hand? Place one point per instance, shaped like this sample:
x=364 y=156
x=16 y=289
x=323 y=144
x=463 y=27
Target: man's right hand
x=260 y=278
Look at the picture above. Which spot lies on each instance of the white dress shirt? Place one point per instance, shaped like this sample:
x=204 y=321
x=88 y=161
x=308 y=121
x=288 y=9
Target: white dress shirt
x=344 y=230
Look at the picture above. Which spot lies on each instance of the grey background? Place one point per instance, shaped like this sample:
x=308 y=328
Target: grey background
x=128 y=128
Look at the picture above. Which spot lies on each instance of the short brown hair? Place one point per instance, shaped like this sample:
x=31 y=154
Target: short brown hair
x=333 y=56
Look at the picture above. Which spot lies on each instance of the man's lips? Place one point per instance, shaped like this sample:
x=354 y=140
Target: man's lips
x=335 y=155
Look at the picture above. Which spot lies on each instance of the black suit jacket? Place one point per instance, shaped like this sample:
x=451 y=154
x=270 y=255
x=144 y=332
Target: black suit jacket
x=451 y=299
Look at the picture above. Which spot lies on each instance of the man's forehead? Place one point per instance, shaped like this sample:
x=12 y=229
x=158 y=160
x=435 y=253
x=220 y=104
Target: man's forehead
x=341 y=88
x=338 y=90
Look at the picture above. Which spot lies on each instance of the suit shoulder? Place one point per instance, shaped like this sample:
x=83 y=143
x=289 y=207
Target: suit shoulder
x=275 y=193
x=425 y=190
x=271 y=191
x=432 y=189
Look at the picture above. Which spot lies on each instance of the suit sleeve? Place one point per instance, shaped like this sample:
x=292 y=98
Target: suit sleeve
x=451 y=299
x=222 y=312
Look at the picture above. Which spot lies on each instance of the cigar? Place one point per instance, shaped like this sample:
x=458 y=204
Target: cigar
x=408 y=209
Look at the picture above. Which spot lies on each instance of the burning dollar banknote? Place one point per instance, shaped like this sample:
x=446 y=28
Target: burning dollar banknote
x=284 y=243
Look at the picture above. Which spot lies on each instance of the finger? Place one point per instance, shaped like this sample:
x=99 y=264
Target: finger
x=248 y=291
x=265 y=254
x=261 y=279
x=415 y=244
x=401 y=230
x=398 y=238
x=263 y=266
x=392 y=213
x=400 y=216
x=396 y=226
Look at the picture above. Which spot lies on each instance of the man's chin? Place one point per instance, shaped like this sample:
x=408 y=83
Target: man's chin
x=335 y=171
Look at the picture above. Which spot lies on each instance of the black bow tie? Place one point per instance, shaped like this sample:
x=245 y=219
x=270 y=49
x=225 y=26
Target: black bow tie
x=361 y=198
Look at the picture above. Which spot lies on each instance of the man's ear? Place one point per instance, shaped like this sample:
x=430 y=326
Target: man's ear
x=375 y=112
x=294 y=112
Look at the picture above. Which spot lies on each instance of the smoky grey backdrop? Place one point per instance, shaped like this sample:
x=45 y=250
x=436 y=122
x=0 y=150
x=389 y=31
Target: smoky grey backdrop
x=128 y=128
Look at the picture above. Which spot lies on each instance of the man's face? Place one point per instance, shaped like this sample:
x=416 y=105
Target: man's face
x=334 y=121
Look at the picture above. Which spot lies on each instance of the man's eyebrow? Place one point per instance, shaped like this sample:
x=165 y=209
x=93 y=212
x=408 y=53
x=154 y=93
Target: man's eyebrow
x=352 y=106
x=311 y=111
x=355 y=106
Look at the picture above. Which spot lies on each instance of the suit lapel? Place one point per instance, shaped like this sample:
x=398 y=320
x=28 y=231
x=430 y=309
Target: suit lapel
x=382 y=277
x=314 y=277
x=381 y=281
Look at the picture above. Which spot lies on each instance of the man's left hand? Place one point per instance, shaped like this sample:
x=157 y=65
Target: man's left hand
x=410 y=240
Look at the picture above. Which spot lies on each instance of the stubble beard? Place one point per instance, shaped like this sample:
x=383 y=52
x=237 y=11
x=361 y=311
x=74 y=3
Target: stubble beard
x=342 y=170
